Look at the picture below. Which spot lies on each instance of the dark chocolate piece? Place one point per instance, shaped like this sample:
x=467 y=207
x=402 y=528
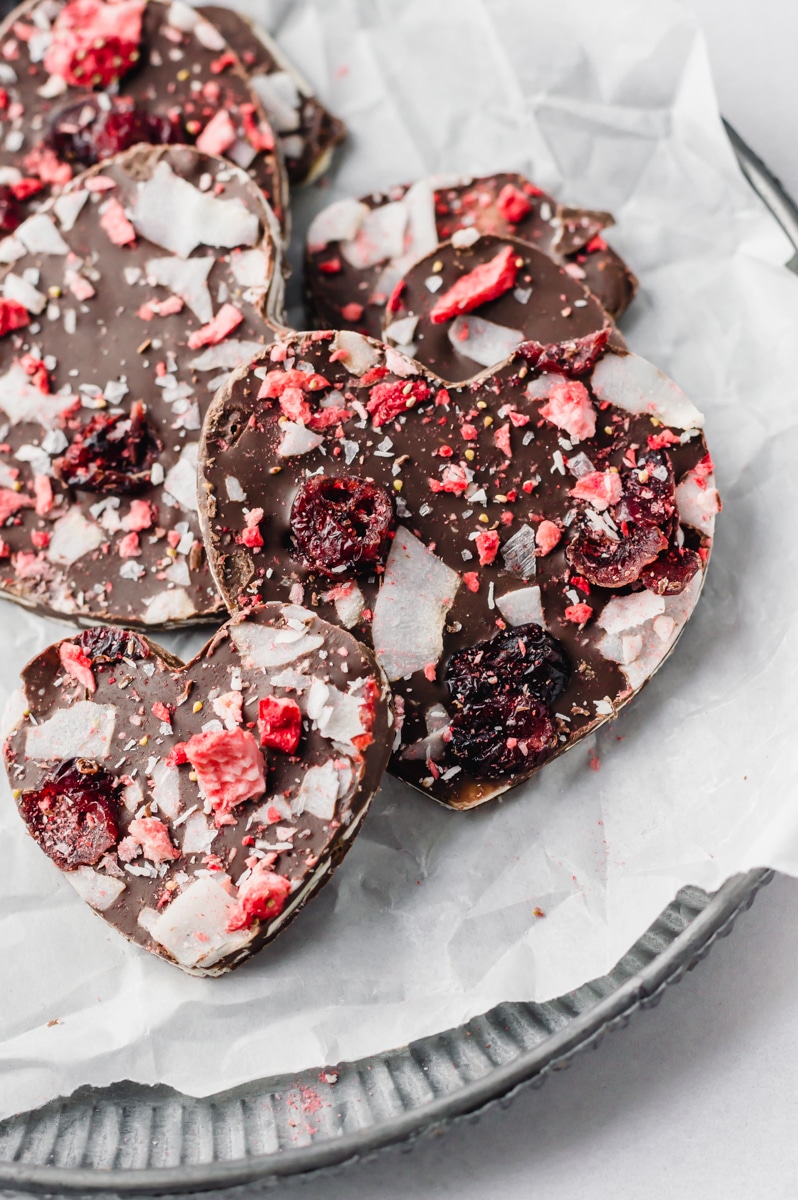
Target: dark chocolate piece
x=505 y=293
x=162 y=58
x=358 y=250
x=131 y=296
x=197 y=808
x=307 y=132
x=565 y=452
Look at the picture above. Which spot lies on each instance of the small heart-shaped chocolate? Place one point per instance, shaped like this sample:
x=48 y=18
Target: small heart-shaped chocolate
x=104 y=379
x=91 y=79
x=471 y=303
x=198 y=807
x=522 y=551
x=358 y=250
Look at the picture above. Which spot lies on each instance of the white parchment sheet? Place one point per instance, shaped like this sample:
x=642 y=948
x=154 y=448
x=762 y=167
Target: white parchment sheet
x=430 y=921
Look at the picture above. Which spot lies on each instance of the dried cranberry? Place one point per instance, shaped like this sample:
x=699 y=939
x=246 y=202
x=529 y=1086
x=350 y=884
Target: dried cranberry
x=526 y=657
x=88 y=131
x=502 y=735
x=670 y=574
x=10 y=216
x=73 y=815
x=569 y=358
x=341 y=524
x=611 y=564
x=102 y=644
x=110 y=454
x=649 y=493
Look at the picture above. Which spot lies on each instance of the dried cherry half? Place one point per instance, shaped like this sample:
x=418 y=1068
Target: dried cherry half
x=73 y=815
x=94 y=128
x=502 y=735
x=670 y=574
x=103 y=644
x=341 y=523
x=612 y=564
x=10 y=215
x=526 y=656
x=110 y=454
x=649 y=493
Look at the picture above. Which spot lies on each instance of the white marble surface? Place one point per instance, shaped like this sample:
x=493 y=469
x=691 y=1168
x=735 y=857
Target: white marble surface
x=697 y=1098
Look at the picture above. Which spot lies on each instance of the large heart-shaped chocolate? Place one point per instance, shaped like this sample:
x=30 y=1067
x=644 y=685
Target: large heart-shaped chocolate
x=199 y=807
x=170 y=77
x=569 y=491
x=358 y=250
x=104 y=374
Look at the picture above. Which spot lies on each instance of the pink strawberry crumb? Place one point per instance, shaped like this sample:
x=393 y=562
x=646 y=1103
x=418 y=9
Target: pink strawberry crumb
x=547 y=537
x=77 y=664
x=129 y=546
x=600 y=488
x=116 y=225
x=226 y=320
x=261 y=897
x=229 y=765
x=218 y=135
x=487 y=544
x=279 y=724
x=153 y=837
x=569 y=407
x=578 y=613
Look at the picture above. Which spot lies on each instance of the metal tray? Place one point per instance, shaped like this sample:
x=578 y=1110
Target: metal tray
x=134 y=1140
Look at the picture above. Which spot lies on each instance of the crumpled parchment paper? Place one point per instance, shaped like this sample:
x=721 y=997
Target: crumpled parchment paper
x=432 y=918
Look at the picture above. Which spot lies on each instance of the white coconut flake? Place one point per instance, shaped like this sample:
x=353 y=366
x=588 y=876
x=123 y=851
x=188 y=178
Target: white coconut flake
x=522 y=606
x=187 y=278
x=697 y=500
x=417 y=591
x=629 y=612
x=463 y=238
x=235 y=492
x=99 y=891
x=72 y=537
x=279 y=96
x=193 y=928
x=228 y=355
x=379 y=238
x=181 y=479
x=174 y=604
x=338 y=222
x=250 y=269
x=401 y=332
x=22 y=402
x=166 y=788
x=518 y=553
x=262 y=645
x=349 y=604
x=297 y=439
x=357 y=353
x=484 y=341
x=198 y=836
x=84 y=730
x=318 y=792
x=204 y=219
x=39 y=235
x=637 y=386
x=68 y=207
x=640 y=649
x=11 y=250
x=17 y=288
x=340 y=719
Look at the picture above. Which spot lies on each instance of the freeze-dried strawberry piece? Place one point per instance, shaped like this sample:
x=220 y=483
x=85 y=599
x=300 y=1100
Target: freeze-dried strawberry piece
x=579 y=614
x=230 y=767
x=569 y=407
x=94 y=42
x=513 y=204
x=12 y=316
x=389 y=400
x=261 y=897
x=73 y=815
x=153 y=837
x=487 y=545
x=76 y=663
x=11 y=502
x=547 y=536
x=486 y=282
x=226 y=320
x=276 y=383
x=600 y=488
x=116 y=225
x=279 y=724
x=218 y=135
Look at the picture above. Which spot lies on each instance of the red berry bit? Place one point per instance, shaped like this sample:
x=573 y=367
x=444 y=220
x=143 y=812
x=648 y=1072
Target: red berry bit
x=94 y=43
x=569 y=358
x=10 y=216
x=104 y=645
x=389 y=400
x=670 y=574
x=229 y=765
x=647 y=519
x=486 y=282
x=84 y=133
x=341 y=524
x=73 y=815
x=261 y=897
x=110 y=454
x=502 y=690
x=279 y=724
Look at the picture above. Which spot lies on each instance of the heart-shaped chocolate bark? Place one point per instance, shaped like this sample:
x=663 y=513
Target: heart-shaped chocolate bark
x=170 y=77
x=104 y=378
x=199 y=807
x=306 y=131
x=358 y=250
x=475 y=300
x=522 y=552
